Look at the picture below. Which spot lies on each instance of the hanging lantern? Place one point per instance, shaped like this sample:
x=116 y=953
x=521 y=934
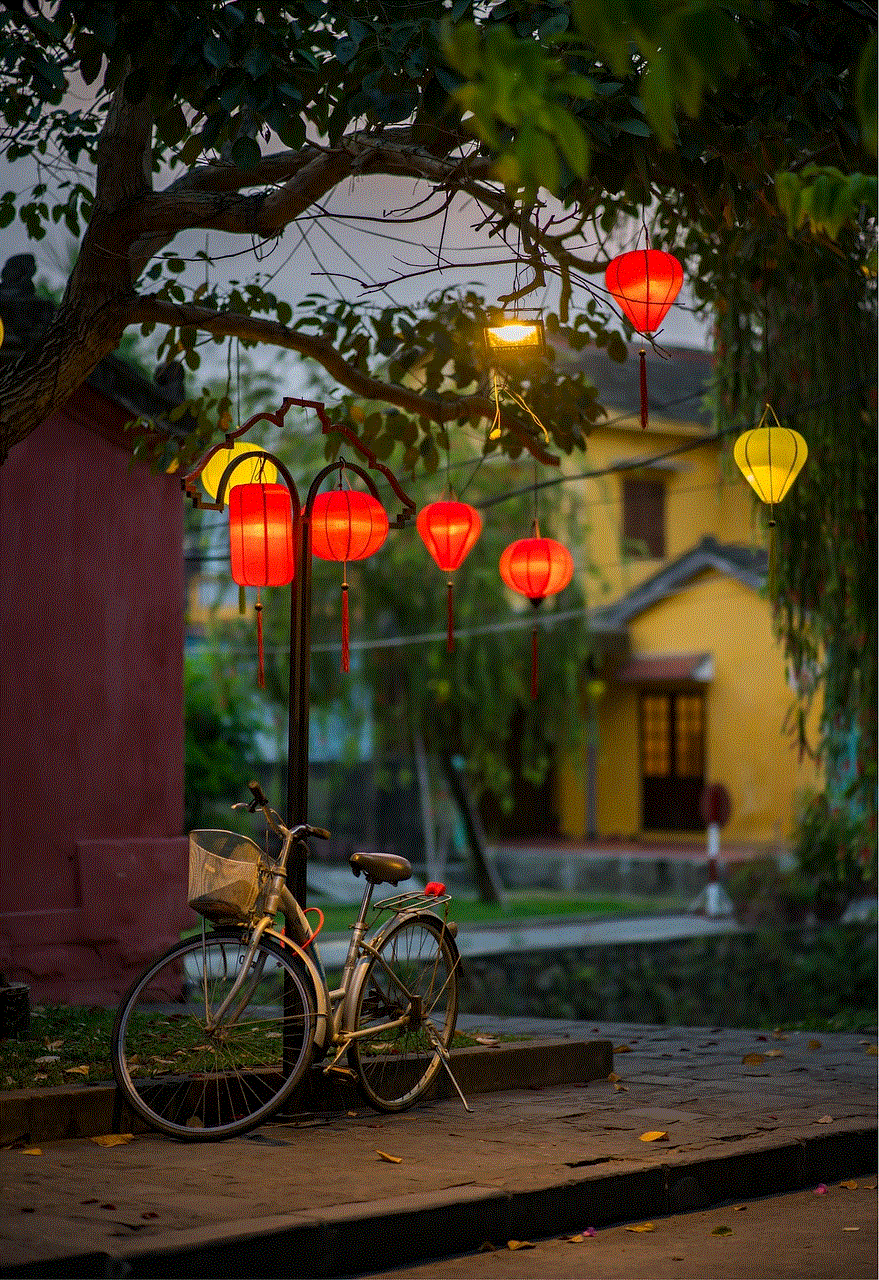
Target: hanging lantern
x=347 y=525
x=644 y=283
x=449 y=530
x=516 y=335
x=536 y=567
x=770 y=458
x=261 y=543
x=257 y=469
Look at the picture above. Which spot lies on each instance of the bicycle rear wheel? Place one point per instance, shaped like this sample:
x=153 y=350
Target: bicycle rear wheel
x=414 y=975
x=200 y=1082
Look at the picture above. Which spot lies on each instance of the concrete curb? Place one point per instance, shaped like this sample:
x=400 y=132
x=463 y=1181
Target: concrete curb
x=43 y=1115
x=353 y=1239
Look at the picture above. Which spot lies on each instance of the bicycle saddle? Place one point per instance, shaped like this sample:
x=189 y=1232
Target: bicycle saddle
x=380 y=868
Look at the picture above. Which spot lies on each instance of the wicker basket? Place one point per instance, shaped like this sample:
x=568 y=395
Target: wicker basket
x=223 y=876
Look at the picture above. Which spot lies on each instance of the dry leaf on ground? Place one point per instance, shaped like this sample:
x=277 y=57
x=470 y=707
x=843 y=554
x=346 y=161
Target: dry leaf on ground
x=645 y=1226
x=519 y=1244
x=113 y=1139
x=814 y=1044
x=851 y=1228
x=622 y=1048
x=824 y=1120
x=774 y=1053
x=722 y=1231
x=613 y=1077
x=871 y=1049
x=390 y=1159
x=32 y=1151
x=851 y=1184
x=654 y=1135
x=752 y=1059
x=77 y=1071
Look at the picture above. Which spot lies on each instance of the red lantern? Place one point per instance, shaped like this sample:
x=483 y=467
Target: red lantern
x=261 y=542
x=644 y=283
x=536 y=567
x=347 y=525
x=449 y=530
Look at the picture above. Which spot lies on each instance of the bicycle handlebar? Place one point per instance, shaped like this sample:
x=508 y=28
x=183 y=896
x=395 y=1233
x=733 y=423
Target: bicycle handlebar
x=302 y=829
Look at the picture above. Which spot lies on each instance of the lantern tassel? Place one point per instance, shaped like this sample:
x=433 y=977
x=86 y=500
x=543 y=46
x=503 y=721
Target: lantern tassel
x=643 y=358
x=534 y=663
x=346 y=654
x=261 y=671
x=773 y=560
x=450 y=623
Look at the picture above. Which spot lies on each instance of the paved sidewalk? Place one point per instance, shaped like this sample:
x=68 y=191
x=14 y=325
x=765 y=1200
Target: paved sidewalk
x=744 y=1114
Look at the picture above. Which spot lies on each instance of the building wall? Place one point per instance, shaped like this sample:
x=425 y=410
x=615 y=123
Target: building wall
x=705 y=494
x=749 y=748
x=92 y=857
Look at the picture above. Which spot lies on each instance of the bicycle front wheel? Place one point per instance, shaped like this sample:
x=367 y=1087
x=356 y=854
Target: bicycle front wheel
x=413 y=981
x=198 y=1076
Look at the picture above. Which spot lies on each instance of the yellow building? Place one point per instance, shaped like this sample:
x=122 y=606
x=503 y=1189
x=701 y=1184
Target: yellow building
x=690 y=686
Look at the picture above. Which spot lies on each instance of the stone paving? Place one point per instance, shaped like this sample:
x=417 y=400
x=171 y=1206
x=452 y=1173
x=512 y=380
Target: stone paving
x=741 y=1112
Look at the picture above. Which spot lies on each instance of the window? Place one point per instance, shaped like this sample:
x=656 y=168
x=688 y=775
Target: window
x=644 y=518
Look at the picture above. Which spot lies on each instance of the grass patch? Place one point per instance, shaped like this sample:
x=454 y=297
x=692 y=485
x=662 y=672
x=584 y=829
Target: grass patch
x=524 y=905
x=71 y=1046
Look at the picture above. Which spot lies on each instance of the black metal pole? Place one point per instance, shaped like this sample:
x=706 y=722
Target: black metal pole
x=298 y=702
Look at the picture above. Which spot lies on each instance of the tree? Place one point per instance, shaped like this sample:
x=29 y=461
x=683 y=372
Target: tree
x=742 y=133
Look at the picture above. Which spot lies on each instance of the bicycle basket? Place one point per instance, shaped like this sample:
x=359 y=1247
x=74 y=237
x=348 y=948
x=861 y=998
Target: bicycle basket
x=223 y=875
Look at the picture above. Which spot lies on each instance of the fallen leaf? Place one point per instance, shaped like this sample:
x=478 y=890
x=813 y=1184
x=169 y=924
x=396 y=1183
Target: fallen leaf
x=654 y=1135
x=590 y=1231
x=820 y=1190
x=390 y=1159
x=814 y=1044
x=113 y=1139
x=622 y=1048
x=871 y=1049
x=722 y=1231
x=621 y=1088
x=824 y=1120
x=519 y=1244
x=851 y=1184
x=77 y=1071
x=869 y=1186
x=353 y=1114
x=49 y=1057
x=39 y=1075
x=645 y=1226
x=575 y=1239
x=32 y=1151
x=739 y=1208
x=752 y=1059
x=774 y=1053
x=613 y=1077
x=492 y=1041
x=851 y=1228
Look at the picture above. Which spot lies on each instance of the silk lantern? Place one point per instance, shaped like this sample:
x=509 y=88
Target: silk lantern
x=449 y=530
x=644 y=283
x=347 y=524
x=261 y=543
x=536 y=567
x=257 y=468
x=770 y=458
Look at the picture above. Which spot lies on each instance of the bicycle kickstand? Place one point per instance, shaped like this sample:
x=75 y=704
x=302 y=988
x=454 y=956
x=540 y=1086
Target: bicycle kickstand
x=444 y=1059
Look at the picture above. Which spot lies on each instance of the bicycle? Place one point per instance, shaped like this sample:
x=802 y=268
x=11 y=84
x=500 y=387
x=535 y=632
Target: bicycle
x=216 y=1035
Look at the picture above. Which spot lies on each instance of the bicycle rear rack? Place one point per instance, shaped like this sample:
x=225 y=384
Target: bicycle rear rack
x=399 y=903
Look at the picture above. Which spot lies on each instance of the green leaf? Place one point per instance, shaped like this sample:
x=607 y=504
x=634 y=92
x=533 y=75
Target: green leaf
x=245 y=153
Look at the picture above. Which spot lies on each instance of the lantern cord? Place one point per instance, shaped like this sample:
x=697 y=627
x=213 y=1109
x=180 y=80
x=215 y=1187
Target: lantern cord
x=643 y=358
x=261 y=672
x=534 y=663
x=772 y=568
x=346 y=653
x=494 y=430
x=450 y=625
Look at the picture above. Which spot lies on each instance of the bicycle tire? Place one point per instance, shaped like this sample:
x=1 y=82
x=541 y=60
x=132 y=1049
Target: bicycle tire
x=397 y=1067
x=200 y=1084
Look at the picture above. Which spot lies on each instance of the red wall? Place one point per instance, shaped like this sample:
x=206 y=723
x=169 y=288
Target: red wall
x=92 y=861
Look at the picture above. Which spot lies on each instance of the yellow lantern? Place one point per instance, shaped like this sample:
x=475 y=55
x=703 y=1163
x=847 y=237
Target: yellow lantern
x=257 y=471
x=515 y=336
x=770 y=458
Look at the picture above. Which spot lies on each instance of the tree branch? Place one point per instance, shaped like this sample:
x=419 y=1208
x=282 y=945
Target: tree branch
x=440 y=409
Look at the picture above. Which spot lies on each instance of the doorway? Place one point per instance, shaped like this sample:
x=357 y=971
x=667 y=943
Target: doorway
x=672 y=759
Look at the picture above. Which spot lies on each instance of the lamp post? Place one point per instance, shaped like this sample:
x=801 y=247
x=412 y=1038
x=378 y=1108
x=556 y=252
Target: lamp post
x=298 y=697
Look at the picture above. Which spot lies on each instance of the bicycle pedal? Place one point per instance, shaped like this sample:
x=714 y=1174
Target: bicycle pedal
x=344 y=1073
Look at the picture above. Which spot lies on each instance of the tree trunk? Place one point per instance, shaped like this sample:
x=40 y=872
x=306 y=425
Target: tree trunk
x=486 y=877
